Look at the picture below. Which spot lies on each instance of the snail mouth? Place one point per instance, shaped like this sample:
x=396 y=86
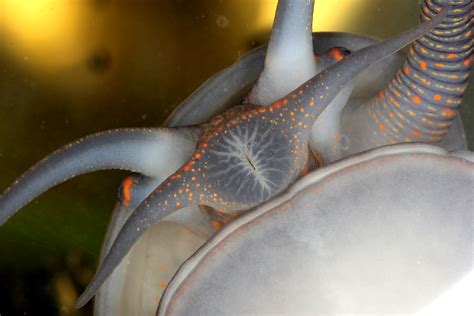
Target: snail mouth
x=249 y=161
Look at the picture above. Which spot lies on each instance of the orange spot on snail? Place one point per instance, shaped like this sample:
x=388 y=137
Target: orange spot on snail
x=416 y=99
x=416 y=133
x=127 y=190
x=336 y=54
x=276 y=105
x=437 y=97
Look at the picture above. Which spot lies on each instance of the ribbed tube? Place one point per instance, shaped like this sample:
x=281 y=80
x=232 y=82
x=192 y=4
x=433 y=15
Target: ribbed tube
x=422 y=99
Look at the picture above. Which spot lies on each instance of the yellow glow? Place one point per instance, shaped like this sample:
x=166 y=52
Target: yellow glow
x=44 y=33
x=266 y=14
x=326 y=17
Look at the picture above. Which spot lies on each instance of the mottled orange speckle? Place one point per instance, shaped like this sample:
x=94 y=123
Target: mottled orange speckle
x=304 y=171
x=448 y=113
x=423 y=65
x=382 y=126
x=197 y=155
x=216 y=121
x=162 y=284
x=216 y=225
x=451 y=55
x=437 y=97
x=406 y=69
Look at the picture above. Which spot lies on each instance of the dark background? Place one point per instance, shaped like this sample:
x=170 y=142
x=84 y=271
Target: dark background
x=72 y=68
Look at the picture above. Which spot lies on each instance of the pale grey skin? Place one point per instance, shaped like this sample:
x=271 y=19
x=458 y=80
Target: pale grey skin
x=337 y=133
x=382 y=232
x=237 y=137
x=231 y=84
x=140 y=164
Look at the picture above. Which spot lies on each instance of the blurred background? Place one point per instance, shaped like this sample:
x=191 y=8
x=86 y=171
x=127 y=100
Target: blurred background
x=69 y=68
